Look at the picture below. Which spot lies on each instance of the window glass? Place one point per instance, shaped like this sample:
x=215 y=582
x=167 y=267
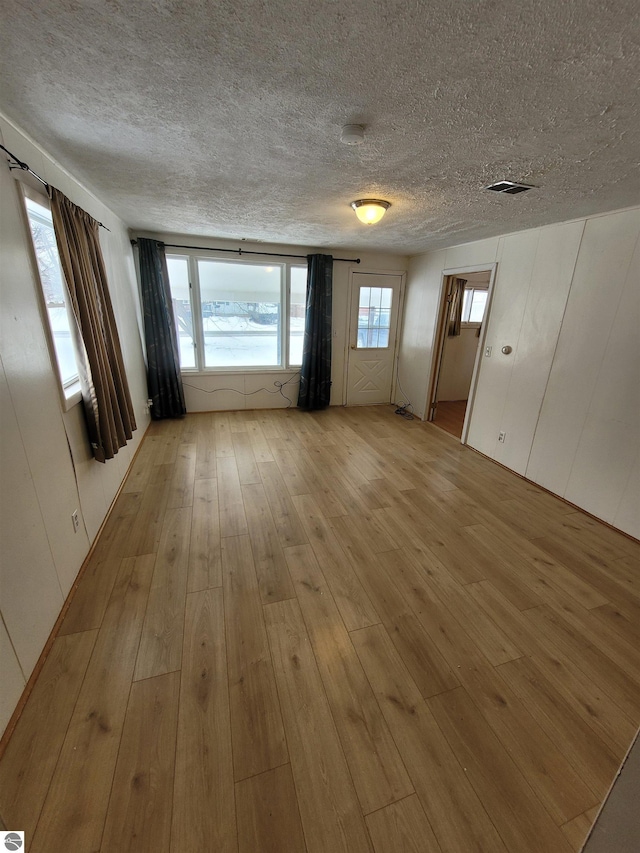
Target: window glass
x=473 y=305
x=55 y=294
x=297 y=306
x=182 y=311
x=478 y=303
x=374 y=317
x=240 y=313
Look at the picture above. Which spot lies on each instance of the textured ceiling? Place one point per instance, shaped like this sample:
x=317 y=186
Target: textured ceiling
x=223 y=118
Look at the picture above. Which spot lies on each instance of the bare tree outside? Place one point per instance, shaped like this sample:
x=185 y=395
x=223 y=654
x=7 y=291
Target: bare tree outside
x=44 y=241
x=55 y=294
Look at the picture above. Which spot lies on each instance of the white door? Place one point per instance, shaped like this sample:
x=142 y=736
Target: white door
x=375 y=303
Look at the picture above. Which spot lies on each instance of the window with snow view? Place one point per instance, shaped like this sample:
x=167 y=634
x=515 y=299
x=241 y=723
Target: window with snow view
x=234 y=314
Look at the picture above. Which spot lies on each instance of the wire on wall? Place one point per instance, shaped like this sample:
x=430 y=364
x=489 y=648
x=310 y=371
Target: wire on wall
x=278 y=389
x=402 y=406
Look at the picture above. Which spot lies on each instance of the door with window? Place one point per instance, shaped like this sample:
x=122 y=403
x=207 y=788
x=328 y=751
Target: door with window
x=375 y=305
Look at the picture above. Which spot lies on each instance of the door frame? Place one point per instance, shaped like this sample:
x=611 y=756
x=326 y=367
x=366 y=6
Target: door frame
x=441 y=337
x=396 y=347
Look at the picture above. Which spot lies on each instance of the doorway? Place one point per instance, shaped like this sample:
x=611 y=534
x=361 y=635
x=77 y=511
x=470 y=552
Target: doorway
x=373 y=330
x=461 y=332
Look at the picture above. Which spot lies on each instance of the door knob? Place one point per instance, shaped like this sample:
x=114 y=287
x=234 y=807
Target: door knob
x=506 y=350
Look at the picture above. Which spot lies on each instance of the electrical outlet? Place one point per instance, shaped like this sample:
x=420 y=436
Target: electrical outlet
x=502 y=436
x=487 y=352
x=75 y=521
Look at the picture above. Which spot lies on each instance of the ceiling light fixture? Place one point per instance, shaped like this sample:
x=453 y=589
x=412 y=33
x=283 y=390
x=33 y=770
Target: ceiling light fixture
x=370 y=210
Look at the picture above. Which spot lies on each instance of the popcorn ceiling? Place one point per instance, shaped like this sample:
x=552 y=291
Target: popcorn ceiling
x=224 y=118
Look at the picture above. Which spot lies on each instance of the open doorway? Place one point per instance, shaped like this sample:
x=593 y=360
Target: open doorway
x=466 y=297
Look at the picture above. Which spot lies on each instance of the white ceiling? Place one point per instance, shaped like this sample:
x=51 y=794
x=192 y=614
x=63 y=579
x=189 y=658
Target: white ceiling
x=223 y=117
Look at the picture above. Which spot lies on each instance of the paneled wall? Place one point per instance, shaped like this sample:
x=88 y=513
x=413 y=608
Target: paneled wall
x=588 y=436
x=566 y=299
x=46 y=467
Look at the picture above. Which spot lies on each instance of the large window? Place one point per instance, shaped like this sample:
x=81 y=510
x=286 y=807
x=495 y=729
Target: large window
x=236 y=314
x=53 y=290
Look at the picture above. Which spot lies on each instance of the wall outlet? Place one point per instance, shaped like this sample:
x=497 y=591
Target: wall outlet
x=502 y=436
x=487 y=352
x=75 y=521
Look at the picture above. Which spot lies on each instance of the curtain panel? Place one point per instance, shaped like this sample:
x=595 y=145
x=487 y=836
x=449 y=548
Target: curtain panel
x=456 y=297
x=315 y=374
x=163 y=356
x=105 y=390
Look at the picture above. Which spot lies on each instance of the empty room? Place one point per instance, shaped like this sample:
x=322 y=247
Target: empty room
x=320 y=427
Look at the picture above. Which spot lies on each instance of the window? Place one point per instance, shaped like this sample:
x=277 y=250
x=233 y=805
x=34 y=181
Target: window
x=181 y=300
x=374 y=317
x=473 y=305
x=232 y=314
x=297 y=309
x=53 y=290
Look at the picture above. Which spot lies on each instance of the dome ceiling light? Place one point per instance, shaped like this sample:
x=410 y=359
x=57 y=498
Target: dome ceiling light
x=370 y=210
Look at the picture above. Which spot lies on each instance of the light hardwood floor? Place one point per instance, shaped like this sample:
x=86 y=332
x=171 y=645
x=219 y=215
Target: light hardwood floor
x=339 y=631
x=450 y=416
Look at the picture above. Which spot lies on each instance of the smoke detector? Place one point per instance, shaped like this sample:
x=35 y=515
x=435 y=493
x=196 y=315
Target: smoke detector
x=352 y=134
x=509 y=187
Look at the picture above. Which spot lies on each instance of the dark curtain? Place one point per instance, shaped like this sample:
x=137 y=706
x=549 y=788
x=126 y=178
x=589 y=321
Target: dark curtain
x=315 y=374
x=456 y=296
x=163 y=360
x=105 y=390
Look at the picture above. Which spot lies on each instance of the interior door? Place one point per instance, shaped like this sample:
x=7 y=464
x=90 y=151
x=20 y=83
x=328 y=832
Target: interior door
x=375 y=303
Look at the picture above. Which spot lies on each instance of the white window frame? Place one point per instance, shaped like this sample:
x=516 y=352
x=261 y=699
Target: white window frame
x=466 y=323
x=70 y=392
x=285 y=365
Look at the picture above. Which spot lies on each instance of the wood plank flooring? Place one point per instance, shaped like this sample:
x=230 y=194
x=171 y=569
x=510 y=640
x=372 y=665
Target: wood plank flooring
x=450 y=416
x=338 y=631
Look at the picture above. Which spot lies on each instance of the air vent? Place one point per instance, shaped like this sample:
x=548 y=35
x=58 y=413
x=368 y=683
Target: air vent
x=508 y=187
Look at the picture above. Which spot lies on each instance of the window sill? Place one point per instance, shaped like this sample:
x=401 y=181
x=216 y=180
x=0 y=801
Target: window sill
x=238 y=371
x=71 y=396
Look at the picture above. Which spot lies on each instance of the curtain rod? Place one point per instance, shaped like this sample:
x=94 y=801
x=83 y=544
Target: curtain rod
x=247 y=252
x=23 y=166
x=19 y=164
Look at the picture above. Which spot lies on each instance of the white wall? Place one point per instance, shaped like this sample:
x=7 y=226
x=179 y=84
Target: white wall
x=566 y=300
x=45 y=461
x=422 y=299
x=457 y=365
x=587 y=441
x=204 y=392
